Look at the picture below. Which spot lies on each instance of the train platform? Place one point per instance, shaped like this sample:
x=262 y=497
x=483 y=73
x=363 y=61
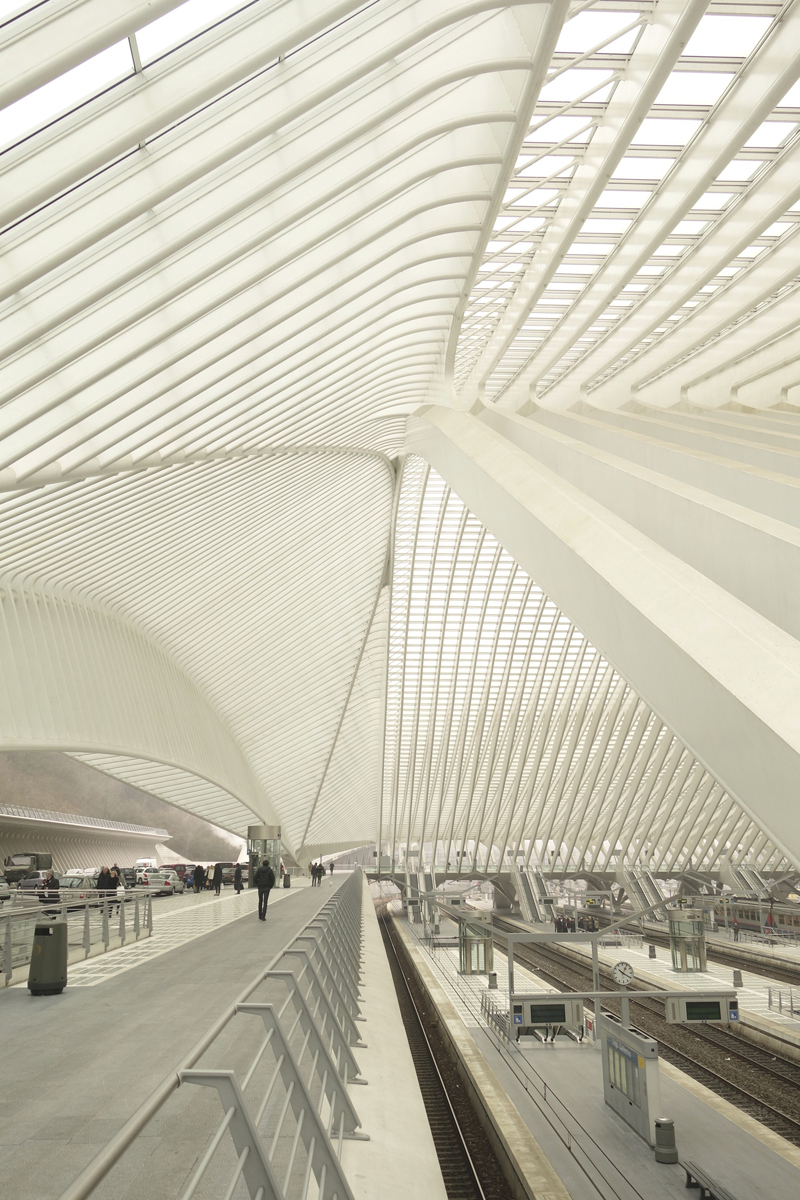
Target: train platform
x=76 y=1066
x=557 y=1090
x=766 y=1000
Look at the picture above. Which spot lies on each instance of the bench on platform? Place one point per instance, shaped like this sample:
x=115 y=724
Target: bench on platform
x=709 y=1189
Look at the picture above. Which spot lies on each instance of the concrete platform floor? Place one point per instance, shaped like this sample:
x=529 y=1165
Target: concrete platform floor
x=74 y=1067
x=558 y=1090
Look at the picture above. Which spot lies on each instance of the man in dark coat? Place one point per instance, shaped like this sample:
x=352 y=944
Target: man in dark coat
x=199 y=878
x=264 y=880
x=237 y=878
x=49 y=891
x=105 y=884
x=217 y=878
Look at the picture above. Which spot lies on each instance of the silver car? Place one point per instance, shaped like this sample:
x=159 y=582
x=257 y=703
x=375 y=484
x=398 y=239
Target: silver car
x=178 y=885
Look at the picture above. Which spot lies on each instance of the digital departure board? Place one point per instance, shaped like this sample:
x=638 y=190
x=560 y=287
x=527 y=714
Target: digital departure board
x=703 y=1010
x=548 y=1014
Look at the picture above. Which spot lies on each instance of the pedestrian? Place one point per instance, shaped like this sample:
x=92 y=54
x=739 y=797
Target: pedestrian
x=105 y=884
x=330 y=866
x=283 y=871
x=49 y=890
x=199 y=878
x=116 y=882
x=735 y=930
x=311 y=872
x=264 y=880
x=237 y=878
x=217 y=878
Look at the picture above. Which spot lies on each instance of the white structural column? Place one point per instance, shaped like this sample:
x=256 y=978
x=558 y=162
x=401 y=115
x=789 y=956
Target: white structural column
x=719 y=674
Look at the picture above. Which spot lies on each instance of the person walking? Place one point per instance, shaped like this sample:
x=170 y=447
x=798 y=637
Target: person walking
x=116 y=882
x=49 y=891
x=735 y=930
x=264 y=880
x=217 y=878
x=330 y=866
x=237 y=878
x=199 y=878
x=311 y=872
x=105 y=884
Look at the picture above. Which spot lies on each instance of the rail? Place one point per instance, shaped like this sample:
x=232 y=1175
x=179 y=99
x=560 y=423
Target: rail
x=95 y=925
x=287 y=1113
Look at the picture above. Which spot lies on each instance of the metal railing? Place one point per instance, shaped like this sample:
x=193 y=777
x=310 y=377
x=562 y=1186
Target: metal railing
x=287 y=1111
x=494 y=1015
x=784 y=1002
x=94 y=926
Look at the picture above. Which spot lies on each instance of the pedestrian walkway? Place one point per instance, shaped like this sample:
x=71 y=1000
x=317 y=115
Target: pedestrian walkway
x=75 y=1066
x=174 y=928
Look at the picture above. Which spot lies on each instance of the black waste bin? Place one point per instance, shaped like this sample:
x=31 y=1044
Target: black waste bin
x=287 y=880
x=48 y=973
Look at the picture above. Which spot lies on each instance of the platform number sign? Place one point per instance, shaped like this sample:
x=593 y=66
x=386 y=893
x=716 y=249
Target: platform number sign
x=517 y=1014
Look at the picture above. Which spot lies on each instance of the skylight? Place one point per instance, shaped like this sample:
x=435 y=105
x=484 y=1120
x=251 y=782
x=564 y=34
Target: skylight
x=614 y=199
x=182 y=23
x=574 y=83
x=642 y=168
x=771 y=133
x=39 y=108
x=589 y=29
x=693 y=87
x=665 y=131
x=726 y=37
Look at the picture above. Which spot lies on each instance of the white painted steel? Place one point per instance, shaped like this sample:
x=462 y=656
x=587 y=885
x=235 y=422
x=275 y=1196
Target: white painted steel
x=508 y=733
x=231 y=272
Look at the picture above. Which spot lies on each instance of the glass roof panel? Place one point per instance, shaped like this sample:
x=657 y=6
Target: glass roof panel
x=693 y=87
x=182 y=23
x=74 y=87
x=724 y=36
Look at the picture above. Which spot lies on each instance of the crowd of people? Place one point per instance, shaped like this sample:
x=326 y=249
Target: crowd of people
x=566 y=924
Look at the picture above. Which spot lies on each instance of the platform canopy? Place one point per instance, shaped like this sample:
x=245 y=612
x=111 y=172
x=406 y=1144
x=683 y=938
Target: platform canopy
x=253 y=258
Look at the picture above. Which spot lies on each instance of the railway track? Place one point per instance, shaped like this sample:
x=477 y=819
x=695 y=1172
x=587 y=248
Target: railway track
x=469 y=1167
x=763 y=1085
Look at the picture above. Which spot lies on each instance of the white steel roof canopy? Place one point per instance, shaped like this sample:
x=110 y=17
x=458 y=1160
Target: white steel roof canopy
x=241 y=242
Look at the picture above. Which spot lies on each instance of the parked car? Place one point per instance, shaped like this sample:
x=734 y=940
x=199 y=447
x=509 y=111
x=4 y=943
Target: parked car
x=17 y=866
x=157 y=883
x=128 y=876
x=180 y=869
x=178 y=884
x=33 y=881
x=81 y=888
x=5 y=890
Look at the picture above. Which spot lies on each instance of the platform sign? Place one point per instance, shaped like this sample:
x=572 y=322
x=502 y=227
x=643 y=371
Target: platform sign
x=631 y=1083
x=701 y=1008
x=541 y=1010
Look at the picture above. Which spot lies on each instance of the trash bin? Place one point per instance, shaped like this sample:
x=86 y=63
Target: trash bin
x=48 y=973
x=287 y=880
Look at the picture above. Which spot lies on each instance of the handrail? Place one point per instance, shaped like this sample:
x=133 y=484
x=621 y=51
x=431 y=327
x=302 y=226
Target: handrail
x=229 y=1090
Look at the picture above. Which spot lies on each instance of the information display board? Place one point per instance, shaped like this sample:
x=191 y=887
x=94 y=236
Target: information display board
x=630 y=1076
x=690 y=1010
x=546 y=1009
